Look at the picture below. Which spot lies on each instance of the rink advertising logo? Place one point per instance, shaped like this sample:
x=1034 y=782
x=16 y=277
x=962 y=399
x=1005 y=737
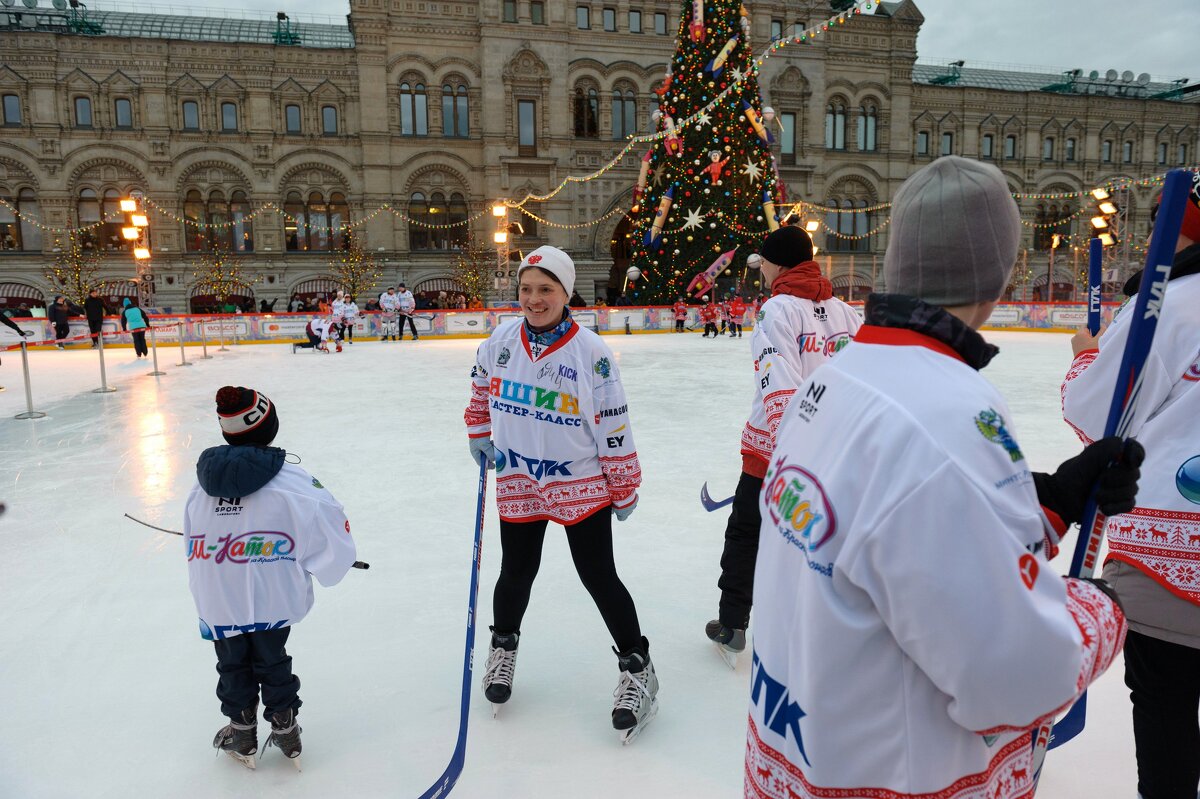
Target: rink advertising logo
x=780 y=715
x=799 y=509
x=603 y=368
x=255 y=547
x=228 y=506
x=809 y=343
x=991 y=426
x=504 y=356
x=540 y=404
x=220 y=632
x=537 y=467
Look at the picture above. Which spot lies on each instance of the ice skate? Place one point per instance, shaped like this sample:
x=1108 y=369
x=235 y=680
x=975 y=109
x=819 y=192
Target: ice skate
x=500 y=669
x=730 y=641
x=239 y=738
x=635 y=701
x=285 y=734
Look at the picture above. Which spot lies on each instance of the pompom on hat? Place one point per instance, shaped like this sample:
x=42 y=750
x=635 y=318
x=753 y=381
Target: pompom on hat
x=247 y=416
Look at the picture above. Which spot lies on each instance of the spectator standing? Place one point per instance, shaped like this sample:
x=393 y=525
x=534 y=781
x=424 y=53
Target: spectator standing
x=93 y=307
x=577 y=301
x=349 y=316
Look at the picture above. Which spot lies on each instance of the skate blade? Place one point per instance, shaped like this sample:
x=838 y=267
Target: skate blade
x=296 y=762
x=246 y=760
x=630 y=735
x=495 y=710
x=727 y=655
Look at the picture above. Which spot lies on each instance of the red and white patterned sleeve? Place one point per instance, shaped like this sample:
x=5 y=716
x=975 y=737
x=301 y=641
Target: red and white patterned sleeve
x=477 y=416
x=614 y=437
x=1082 y=361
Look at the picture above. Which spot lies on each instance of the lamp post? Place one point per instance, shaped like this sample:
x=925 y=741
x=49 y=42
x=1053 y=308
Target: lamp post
x=1055 y=240
x=136 y=233
x=500 y=239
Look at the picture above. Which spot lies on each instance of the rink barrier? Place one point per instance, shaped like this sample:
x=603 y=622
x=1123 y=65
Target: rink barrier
x=29 y=413
x=104 y=387
x=196 y=330
x=154 y=354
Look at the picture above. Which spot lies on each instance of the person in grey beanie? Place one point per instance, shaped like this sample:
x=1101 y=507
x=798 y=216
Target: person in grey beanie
x=904 y=542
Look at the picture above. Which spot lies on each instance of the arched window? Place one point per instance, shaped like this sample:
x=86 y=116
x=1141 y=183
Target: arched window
x=438 y=215
x=88 y=210
x=418 y=215
x=587 y=113
x=624 y=114
x=10 y=234
x=241 y=225
x=835 y=126
x=218 y=221
x=318 y=221
x=31 y=234
x=848 y=226
x=195 y=235
x=295 y=223
x=456 y=215
x=114 y=220
x=454 y=111
x=339 y=218
x=867 y=126
x=408 y=112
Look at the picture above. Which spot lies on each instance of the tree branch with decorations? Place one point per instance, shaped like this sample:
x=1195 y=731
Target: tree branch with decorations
x=76 y=268
x=473 y=267
x=355 y=271
x=707 y=192
x=221 y=277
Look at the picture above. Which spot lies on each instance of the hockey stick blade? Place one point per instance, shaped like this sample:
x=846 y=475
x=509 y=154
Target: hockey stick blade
x=709 y=503
x=1146 y=310
x=445 y=783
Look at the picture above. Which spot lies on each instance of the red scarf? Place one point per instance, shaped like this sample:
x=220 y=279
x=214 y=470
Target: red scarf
x=804 y=280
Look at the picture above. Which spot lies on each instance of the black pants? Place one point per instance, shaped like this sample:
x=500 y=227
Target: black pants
x=314 y=342
x=248 y=661
x=678 y=325
x=741 y=550
x=94 y=326
x=406 y=318
x=346 y=331
x=139 y=342
x=591 y=549
x=710 y=326
x=61 y=330
x=1164 y=684
x=735 y=329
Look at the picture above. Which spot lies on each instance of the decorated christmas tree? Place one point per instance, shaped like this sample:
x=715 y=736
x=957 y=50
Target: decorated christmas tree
x=473 y=267
x=221 y=277
x=707 y=189
x=76 y=268
x=356 y=272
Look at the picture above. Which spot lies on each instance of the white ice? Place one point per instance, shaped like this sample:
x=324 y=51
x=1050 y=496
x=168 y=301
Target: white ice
x=106 y=688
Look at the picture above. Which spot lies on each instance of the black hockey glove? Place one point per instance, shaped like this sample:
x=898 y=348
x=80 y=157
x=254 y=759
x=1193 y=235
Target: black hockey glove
x=1106 y=464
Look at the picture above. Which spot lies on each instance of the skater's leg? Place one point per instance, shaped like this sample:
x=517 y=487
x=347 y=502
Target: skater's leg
x=741 y=550
x=273 y=671
x=521 y=555
x=592 y=550
x=236 y=686
x=1162 y=679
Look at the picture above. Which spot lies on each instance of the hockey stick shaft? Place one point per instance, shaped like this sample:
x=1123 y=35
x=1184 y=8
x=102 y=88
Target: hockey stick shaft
x=1144 y=323
x=445 y=783
x=358 y=564
x=711 y=504
x=1095 y=260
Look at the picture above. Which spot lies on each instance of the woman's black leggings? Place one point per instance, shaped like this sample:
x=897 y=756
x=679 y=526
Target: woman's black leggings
x=591 y=548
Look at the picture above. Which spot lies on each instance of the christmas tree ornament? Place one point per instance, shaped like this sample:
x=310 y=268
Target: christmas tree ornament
x=768 y=207
x=633 y=273
x=694 y=219
x=715 y=167
x=640 y=189
x=756 y=123
x=706 y=279
x=654 y=234
x=715 y=67
x=697 y=29
x=672 y=142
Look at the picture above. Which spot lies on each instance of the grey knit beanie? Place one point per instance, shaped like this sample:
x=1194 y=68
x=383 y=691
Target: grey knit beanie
x=955 y=233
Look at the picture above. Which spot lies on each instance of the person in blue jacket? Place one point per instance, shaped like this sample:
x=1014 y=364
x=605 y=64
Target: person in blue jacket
x=134 y=320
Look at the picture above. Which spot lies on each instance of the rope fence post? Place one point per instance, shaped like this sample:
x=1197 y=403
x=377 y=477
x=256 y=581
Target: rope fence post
x=154 y=353
x=29 y=413
x=222 y=348
x=204 y=341
x=105 y=388
x=183 y=361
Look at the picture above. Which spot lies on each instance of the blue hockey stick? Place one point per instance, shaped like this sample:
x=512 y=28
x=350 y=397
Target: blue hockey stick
x=1095 y=259
x=445 y=783
x=1146 y=311
x=711 y=504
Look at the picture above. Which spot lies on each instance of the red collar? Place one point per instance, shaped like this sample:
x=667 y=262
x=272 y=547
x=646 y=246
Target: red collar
x=900 y=337
x=570 y=334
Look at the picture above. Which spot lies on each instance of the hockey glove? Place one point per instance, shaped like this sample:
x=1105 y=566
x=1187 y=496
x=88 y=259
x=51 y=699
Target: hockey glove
x=1108 y=464
x=623 y=513
x=484 y=447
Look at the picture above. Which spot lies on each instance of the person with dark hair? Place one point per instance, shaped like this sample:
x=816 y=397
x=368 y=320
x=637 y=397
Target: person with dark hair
x=406 y=304
x=680 y=310
x=93 y=306
x=134 y=320
x=257 y=530
x=548 y=410
x=59 y=314
x=577 y=301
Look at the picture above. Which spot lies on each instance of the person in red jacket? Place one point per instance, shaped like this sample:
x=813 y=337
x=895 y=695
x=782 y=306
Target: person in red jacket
x=708 y=315
x=680 y=314
x=737 y=315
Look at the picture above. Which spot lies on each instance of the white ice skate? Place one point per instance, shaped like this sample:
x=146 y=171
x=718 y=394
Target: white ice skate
x=635 y=702
x=500 y=669
x=730 y=642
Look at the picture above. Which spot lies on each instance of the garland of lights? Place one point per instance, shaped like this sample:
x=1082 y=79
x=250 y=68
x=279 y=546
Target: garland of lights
x=579 y=226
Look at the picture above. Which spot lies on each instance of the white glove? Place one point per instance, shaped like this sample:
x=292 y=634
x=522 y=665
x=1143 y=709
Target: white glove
x=485 y=447
x=623 y=513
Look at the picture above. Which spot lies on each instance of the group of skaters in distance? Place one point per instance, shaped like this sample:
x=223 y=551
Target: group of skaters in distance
x=910 y=633
x=731 y=313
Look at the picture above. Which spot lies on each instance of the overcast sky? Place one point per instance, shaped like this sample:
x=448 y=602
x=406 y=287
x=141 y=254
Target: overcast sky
x=1153 y=36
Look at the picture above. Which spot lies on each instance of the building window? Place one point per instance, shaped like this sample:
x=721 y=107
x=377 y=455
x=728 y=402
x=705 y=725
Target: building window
x=454 y=111
x=87 y=209
x=787 y=142
x=526 y=128
x=291 y=115
x=12 y=109
x=776 y=29
x=624 y=114
x=329 y=122
x=610 y=19
x=583 y=18
x=217 y=218
x=1106 y=151
x=660 y=24
x=83 y=112
x=587 y=114
x=191 y=115
x=835 y=126
x=241 y=223
x=987 y=147
x=295 y=223
x=635 y=21
x=1070 y=149
x=1127 y=152
x=852 y=225
x=414 y=110
x=510 y=10
x=947 y=144
x=1048 y=148
x=798 y=29
x=1010 y=146
x=867 y=122
x=16 y=231
x=537 y=12
x=229 y=120
x=1162 y=152
x=123 y=113
x=922 y=143
x=110 y=232
x=1045 y=227
x=419 y=236
x=1182 y=155
x=195 y=234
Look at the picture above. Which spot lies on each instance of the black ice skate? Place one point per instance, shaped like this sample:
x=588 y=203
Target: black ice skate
x=730 y=641
x=285 y=733
x=239 y=738
x=636 y=698
x=500 y=669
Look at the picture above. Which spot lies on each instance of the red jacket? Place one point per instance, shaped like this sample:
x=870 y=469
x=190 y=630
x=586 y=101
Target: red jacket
x=680 y=311
x=737 y=311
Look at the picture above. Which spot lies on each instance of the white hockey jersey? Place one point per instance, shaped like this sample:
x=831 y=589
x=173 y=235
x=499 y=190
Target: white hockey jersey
x=407 y=303
x=251 y=559
x=560 y=424
x=389 y=302
x=1161 y=537
x=793 y=336
x=908 y=630
x=319 y=327
x=349 y=312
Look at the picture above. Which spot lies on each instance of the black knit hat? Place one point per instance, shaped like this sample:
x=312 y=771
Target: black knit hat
x=246 y=416
x=787 y=246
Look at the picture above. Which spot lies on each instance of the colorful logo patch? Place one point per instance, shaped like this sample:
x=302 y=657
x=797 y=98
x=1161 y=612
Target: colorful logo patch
x=991 y=426
x=603 y=368
x=504 y=356
x=317 y=483
x=255 y=547
x=798 y=507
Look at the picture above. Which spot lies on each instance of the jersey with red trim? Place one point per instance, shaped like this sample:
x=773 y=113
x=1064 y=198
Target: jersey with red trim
x=723 y=311
x=792 y=338
x=319 y=327
x=737 y=311
x=680 y=309
x=560 y=424
x=708 y=313
x=1161 y=537
x=904 y=610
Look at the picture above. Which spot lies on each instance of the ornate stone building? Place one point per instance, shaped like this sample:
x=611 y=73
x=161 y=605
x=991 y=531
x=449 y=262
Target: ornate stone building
x=430 y=110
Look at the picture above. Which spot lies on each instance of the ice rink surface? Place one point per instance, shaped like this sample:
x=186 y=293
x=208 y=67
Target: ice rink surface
x=107 y=688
